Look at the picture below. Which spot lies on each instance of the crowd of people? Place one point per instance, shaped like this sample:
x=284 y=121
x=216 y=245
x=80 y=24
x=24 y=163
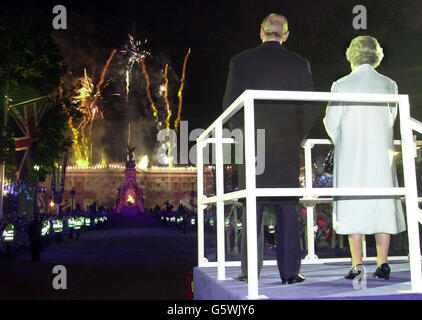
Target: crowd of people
x=20 y=231
x=184 y=217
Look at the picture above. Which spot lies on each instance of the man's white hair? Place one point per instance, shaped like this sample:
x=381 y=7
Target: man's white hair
x=275 y=25
x=364 y=50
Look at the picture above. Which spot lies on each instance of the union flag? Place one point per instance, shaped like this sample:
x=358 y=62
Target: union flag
x=27 y=116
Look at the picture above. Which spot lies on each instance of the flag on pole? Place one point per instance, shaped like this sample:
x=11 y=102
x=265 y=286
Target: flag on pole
x=27 y=116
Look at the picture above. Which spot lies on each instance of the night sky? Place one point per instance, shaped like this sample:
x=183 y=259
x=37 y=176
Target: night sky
x=215 y=31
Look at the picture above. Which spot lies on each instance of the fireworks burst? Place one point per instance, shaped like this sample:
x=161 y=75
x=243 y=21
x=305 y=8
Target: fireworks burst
x=143 y=163
x=163 y=91
x=83 y=99
x=135 y=54
x=87 y=100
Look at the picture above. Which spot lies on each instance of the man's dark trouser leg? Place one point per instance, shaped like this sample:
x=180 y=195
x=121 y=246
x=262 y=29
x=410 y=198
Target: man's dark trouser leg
x=8 y=250
x=35 y=250
x=260 y=234
x=288 y=243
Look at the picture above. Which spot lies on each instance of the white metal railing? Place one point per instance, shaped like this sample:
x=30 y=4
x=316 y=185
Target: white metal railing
x=311 y=257
x=251 y=192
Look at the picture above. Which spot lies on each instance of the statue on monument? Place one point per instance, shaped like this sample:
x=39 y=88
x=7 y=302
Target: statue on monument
x=130 y=163
x=130 y=199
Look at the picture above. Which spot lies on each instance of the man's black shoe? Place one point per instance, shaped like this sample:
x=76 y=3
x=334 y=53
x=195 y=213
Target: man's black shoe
x=242 y=277
x=297 y=279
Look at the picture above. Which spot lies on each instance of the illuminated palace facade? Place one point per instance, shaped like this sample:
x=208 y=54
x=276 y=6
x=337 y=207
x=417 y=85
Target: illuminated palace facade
x=159 y=184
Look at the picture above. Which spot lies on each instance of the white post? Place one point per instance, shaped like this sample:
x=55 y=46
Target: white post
x=252 y=237
x=363 y=246
x=251 y=192
x=309 y=210
x=236 y=232
x=200 y=195
x=219 y=172
x=408 y=154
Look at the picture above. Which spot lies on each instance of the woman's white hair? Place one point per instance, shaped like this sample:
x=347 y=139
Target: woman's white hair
x=364 y=50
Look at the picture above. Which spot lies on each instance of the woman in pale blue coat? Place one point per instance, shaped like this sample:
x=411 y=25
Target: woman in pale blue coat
x=364 y=156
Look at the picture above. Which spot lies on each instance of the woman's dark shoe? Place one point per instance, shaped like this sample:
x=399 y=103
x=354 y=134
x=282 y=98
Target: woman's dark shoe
x=354 y=271
x=383 y=271
x=297 y=279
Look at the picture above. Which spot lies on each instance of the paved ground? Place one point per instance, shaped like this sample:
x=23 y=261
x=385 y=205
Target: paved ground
x=130 y=259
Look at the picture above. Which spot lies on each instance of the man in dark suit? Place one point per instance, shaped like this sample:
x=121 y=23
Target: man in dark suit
x=270 y=66
x=35 y=238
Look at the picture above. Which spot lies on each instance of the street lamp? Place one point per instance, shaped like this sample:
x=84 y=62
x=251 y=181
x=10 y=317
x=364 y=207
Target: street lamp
x=51 y=204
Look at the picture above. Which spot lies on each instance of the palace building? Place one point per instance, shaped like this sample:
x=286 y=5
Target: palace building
x=158 y=184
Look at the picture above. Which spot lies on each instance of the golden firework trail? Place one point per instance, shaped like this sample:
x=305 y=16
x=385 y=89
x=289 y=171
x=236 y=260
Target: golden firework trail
x=127 y=85
x=103 y=160
x=180 y=93
x=166 y=97
x=148 y=90
x=94 y=107
x=100 y=83
x=170 y=146
x=80 y=147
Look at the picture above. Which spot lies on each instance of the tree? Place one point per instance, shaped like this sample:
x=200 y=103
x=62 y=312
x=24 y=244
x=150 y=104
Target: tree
x=7 y=150
x=30 y=57
x=53 y=140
